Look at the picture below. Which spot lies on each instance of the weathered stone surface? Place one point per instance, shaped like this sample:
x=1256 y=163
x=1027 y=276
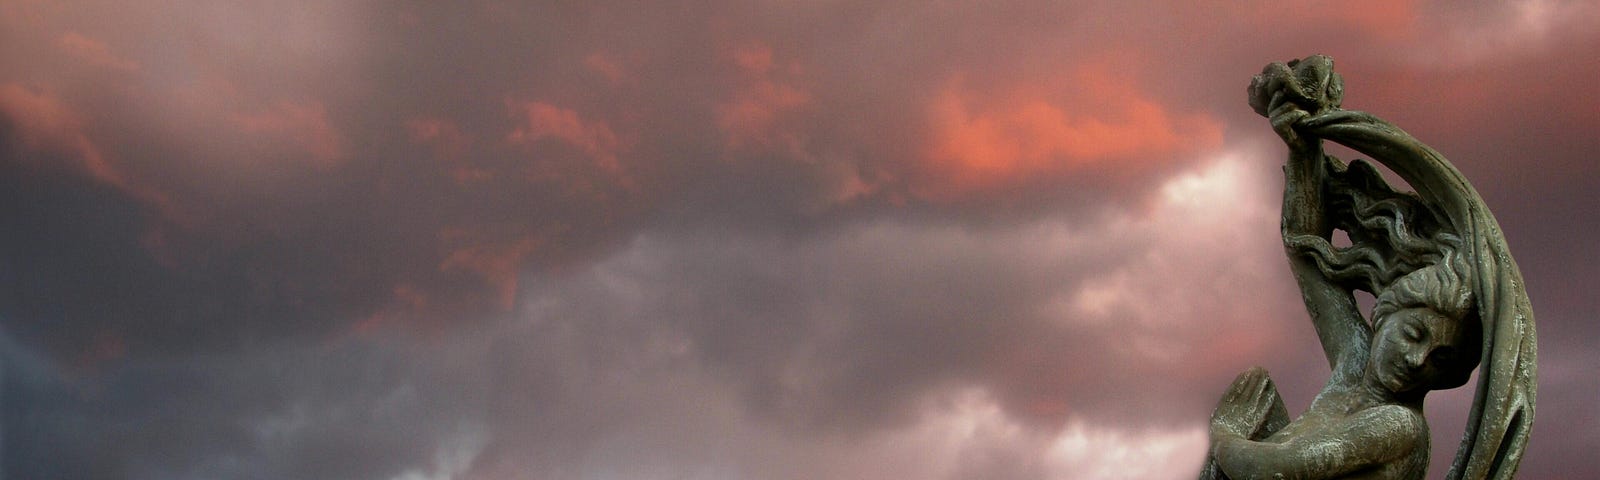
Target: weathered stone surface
x=1449 y=298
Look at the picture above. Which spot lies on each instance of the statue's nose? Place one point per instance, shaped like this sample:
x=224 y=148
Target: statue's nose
x=1416 y=356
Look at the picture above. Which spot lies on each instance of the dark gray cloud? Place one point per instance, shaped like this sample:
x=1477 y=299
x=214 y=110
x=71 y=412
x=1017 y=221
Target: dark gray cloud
x=734 y=240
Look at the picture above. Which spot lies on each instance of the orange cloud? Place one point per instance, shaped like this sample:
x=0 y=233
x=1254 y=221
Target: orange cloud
x=407 y=301
x=40 y=117
x=749 y=118
x=449 y=145
x=447 y=139
x=44 y=123
x=1103 y=125
x=606 y=66
x=94 y=52
x=306 y=125
x=497 y=262
x=595 y=139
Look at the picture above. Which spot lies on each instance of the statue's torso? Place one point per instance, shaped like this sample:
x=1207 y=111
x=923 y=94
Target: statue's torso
x=1335 y=407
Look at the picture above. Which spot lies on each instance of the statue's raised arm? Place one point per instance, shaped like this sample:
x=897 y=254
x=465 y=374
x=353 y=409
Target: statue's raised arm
x=1448 y=298
x=1286 y=94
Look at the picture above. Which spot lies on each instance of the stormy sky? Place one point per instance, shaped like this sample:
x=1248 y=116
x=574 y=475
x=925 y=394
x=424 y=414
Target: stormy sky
x=491 y=240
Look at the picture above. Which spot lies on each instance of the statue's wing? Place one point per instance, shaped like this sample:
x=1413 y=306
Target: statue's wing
x=1502 y=411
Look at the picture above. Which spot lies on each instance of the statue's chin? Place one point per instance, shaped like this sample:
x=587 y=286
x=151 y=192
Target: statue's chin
x=1390 y=380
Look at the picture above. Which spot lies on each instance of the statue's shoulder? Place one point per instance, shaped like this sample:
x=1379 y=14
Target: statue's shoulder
x=1388 y=420
x=1390 y=410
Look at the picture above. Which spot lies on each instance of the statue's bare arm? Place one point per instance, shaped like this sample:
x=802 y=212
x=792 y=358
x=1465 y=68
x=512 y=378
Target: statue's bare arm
x=1339 y=324
x=1367 y=440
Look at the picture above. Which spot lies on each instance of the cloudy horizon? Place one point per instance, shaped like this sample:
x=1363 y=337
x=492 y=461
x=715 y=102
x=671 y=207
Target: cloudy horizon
x=731 y=240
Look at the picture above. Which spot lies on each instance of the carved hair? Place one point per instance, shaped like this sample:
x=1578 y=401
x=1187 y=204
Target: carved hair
x=1439 y=287
x=1399 y=250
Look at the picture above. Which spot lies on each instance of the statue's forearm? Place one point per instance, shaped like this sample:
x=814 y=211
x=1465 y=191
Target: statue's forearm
x=1244 y=459
x=1370 y=438
x=1303 y=212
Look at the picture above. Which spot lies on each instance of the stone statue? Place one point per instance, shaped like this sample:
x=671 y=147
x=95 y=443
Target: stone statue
x=1449 y=298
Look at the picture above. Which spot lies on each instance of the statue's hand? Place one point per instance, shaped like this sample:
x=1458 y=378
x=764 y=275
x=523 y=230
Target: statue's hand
x=1223 y=427
x=1285 y=115
x=1250 y=405
x=1267 y=88
x=1309 y=83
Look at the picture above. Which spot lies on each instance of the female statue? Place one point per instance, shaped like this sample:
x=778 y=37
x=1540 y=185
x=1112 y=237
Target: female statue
x=1448 y=296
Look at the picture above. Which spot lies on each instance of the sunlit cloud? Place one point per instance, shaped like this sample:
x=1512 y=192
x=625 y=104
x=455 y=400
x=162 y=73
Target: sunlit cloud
x=594 y=138
x=1096 y=125
x=750 y=117
x=45 y=124
x=1018 y=240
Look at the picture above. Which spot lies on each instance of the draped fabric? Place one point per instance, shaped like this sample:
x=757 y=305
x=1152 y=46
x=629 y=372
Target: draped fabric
x=1502 y=410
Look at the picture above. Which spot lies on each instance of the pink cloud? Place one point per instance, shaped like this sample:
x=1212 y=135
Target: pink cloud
x=705 y=328
x=497 y=261
x=606 y=66
x=450 y=145
x=407 y=301
x=1386 y=21
x=543 y=121
x=442 y=133
x=1385 y=18
x=40 y=117
x=305 y=125
x=764 y=95
x=94 y=52
x=754 y=58
x=45 y=123
x=1102 y=124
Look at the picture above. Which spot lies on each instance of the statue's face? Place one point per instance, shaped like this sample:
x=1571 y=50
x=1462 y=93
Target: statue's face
x=1419 y=349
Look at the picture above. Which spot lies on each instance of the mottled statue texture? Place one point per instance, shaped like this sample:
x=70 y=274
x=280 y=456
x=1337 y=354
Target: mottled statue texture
x=1449 y=299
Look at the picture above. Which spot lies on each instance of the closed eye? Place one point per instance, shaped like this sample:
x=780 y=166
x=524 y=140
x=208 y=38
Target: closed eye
x=1411 y=333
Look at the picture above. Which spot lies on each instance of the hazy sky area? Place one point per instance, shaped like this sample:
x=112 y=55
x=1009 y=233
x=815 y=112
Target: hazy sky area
x=487 y=240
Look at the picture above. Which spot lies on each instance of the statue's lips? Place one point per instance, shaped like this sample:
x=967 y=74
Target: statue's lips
x=1399 y=375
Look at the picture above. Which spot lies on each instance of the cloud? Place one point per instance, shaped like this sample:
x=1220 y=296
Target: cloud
x=734 y=240
x=270 y=412
x=795 y=332
x=95 y=52
x=305 y=125
x=44 y=123
x=697 y=353
x=594 y=139
x=607 y=67
x=498 y=264
x=1104 y=128
x=1500 y=32
x=749 y=117
x=40 y=118
x=446 y=137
